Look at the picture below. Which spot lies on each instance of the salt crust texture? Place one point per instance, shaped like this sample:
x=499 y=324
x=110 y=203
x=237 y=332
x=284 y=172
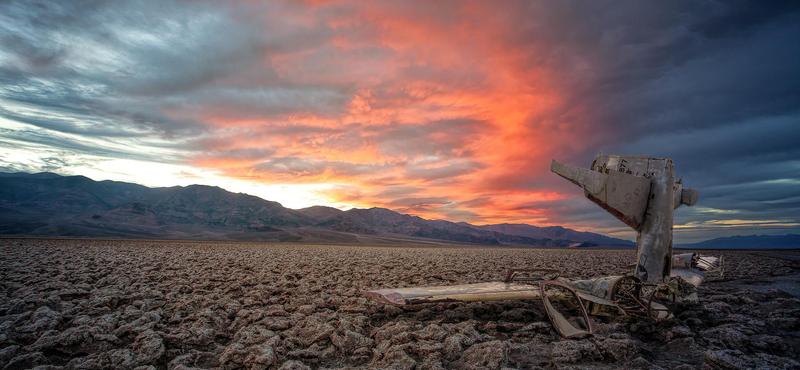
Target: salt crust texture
x=93 y=304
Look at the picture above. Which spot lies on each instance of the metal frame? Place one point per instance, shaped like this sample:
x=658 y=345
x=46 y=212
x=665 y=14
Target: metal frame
x=631 y=303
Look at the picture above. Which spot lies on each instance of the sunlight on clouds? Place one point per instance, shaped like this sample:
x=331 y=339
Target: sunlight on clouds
x=449 y=111
x=738 y=223
x=154 y=174
x=164 y=175
x=31 y=157
x=12 y=125
x=716 y=211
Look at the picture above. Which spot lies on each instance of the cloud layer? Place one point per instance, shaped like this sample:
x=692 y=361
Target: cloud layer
x=441 y=109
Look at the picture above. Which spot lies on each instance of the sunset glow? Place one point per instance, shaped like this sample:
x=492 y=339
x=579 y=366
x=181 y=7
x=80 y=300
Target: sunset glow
x=445 y=110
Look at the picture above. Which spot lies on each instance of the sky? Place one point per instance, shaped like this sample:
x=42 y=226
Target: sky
x=441 y=109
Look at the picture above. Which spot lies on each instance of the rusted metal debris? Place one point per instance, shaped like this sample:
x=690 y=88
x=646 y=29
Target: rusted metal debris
x=642 y=193
x=562 y=325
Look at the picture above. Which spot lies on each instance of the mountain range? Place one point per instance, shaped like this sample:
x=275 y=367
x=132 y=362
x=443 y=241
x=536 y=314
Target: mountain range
x=47 y=204
x=790 y=241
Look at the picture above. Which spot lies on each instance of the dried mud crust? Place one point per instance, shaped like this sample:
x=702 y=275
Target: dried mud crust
x=79 y=304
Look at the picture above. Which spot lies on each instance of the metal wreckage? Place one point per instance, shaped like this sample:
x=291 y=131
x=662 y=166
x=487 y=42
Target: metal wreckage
x=641 y=192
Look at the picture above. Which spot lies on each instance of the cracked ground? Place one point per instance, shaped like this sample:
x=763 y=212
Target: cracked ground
x=100 y=304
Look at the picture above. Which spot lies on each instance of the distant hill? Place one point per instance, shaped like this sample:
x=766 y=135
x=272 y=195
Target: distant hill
x=555 y=232
x=40 y=175
x=791 y=241
x=52 y=195
x=47 y=204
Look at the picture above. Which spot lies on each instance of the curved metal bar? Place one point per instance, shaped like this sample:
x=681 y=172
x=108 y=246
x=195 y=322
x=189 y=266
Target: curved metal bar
x=652 y=312
x=639 y=306
x=560 y=323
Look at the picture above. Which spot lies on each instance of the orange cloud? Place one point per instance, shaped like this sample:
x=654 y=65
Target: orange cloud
x=436 y=97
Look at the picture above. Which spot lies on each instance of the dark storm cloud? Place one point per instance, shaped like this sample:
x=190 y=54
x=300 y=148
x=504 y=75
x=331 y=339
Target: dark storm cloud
x=134 y=62
x=415 y=94
x=105 y=50
x=33 y=140
x=750 y=169
x=67 y=124
x=645 y=68
x=713 y=85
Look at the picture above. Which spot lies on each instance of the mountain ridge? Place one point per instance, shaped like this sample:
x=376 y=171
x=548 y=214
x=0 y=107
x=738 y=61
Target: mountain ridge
x=47 y=204
x=788 y=241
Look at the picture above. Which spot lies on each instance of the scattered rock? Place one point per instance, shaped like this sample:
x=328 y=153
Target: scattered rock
x=571 y=351
x=26 y=361
x=618 y=347
x=347 y=341
x=736 y=360
x=397 y=359
x=149 y=347
x=96 y=304
x=8 y=353
x=640 y=363
x=489 y=355
x=260 y=357
x=725 y=337
x=293 y=365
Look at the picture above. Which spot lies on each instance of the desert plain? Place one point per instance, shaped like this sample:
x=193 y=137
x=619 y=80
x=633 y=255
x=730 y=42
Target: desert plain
x=103 y=304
